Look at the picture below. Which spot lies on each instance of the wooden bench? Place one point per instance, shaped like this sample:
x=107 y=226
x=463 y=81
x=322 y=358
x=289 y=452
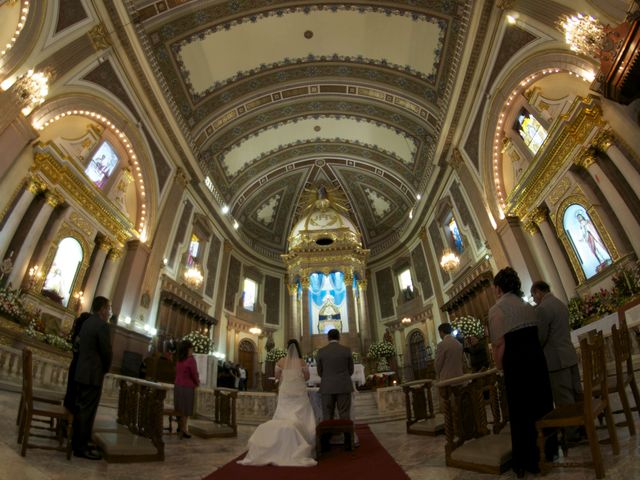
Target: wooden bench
x=471 y=444
x=222 y=421
x=136 y=436
x=421 y=417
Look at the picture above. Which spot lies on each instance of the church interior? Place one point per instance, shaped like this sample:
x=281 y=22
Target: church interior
x=366 y=166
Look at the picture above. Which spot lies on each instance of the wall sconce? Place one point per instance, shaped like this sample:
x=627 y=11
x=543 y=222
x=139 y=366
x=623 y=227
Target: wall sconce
x=449 y=261
x=35 y=274
x=406 y=321
x=193 y=276
x=255 y=331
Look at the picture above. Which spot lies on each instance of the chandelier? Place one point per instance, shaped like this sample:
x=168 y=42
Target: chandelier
x=255 y=331
x=32 y=90
x=584 y=34
x=406 y=320
x=193 y=276
x=449 y=261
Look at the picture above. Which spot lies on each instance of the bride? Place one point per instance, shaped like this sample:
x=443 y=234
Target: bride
x=288 y=439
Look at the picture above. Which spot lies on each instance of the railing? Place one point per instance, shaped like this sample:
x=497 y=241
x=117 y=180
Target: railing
x=47 y=374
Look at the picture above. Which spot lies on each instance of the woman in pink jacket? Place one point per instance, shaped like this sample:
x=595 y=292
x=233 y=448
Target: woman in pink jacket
x=187 y=380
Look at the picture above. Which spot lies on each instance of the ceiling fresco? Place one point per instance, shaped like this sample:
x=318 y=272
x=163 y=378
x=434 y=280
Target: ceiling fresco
x=276 y=96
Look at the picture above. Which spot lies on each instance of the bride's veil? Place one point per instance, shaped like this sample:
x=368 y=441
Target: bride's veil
x=292 y=376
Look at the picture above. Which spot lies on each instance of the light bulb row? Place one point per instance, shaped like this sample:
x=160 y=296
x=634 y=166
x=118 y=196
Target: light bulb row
x=23 y=20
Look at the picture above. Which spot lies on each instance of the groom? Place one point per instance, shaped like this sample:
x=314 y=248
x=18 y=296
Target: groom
x=335 y=367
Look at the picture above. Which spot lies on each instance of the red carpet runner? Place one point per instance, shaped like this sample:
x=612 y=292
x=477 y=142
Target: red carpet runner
x=370 y=461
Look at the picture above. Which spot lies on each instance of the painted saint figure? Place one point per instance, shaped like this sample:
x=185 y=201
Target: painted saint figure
x=591 y=237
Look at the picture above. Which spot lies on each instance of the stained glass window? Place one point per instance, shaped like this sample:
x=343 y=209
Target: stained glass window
x=194 y=246
x=102 y=164
x=530 y=130
x=249 y=294
x=456 y=238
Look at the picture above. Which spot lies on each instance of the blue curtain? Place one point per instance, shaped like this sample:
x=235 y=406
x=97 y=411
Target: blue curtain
x=337 y=285
x=315 y=288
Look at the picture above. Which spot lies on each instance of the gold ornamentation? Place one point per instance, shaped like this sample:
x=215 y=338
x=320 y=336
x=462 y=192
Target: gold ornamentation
x=560 y=190
x=35 y=185
x=604 y=140
x=293 y=288
x=92 y=200
x=99 y=37
x=114 y=254
x=587 y=158
x=580 y=199
x=587 y=116
x=532 y=228
x=105 y=245
x=82 y=223
x=363 y=285
x=54 y=199
x=540 y=214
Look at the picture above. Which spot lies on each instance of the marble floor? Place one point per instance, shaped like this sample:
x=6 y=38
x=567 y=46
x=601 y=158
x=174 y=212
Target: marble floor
x=421 y=457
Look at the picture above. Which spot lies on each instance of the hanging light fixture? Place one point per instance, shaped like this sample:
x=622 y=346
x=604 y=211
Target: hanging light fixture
x=193 y=276
x=584 y=34
x=449 y=261
x=32 y=89
x=255 y=331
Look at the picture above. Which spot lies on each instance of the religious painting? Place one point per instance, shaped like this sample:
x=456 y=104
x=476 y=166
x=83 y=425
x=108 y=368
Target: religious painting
x=102 y=164
x=59 y=280
x=586 y=241
x=194 y=246
x=328 y=303
x=454 y=235
x=533 y=134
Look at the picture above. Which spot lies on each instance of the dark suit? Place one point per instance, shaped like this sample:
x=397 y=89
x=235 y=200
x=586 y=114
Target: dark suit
x=335 y=367
x=561 y=356
x=94 y=361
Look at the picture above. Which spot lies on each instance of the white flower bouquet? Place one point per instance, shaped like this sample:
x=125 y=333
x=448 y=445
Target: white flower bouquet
x=201 y=343
x=468 y=326
x=276 y=354
x=381 y=350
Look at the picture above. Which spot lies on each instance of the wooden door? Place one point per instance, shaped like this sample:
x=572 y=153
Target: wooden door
x=247 y=359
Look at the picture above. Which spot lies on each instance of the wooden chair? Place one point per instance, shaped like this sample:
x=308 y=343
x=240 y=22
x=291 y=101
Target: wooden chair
x=584 y=413
x=624 y=372
x=421 y=416
x=33 y=409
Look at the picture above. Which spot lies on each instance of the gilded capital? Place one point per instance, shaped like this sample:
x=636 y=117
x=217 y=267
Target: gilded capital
x=348 y=279
x=54 y=199
x=114 y=254
x=604 y=140
x=293 y=288
x=104 y=244
x=531 y=227
x=35 y=185
x=587 y=158
x=305 y=283
x=540 y=214
x=363 y=285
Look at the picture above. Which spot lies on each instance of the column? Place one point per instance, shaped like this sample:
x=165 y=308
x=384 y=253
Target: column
x=564 y=271
x=292 y=288
x=618 y=205
x=23 y=258
x=95 y=270
x=306 y=344
x=365 y=330
x=17 y=214
x=105 y=283
x=605 y=143
x=351 y=307
x=547 y=266
x=222 y=278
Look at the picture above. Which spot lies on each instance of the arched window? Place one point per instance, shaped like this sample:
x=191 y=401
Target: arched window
x=59 y=281
x=102 y=164
x=585 y=239
x=530 y=130
x=419 y=355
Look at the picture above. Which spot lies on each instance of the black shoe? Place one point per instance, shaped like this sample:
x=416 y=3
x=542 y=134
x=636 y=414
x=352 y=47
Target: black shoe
x=88 y=454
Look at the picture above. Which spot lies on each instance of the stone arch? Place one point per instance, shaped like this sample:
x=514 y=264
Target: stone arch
x=26 y=41
x=418 y=354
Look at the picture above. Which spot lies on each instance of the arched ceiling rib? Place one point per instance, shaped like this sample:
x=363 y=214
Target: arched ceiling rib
x=279 y=95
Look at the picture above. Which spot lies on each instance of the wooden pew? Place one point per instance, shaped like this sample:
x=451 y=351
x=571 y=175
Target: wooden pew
x=421 y=416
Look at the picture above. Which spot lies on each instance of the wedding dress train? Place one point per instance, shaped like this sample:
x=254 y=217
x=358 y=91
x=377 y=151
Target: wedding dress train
x=288 y=439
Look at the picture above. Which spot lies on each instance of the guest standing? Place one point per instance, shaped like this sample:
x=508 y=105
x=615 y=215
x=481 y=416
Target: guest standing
x=516 y=350
x=187 y=379
x=94 y=362
x=70 y=395
x=449 y=361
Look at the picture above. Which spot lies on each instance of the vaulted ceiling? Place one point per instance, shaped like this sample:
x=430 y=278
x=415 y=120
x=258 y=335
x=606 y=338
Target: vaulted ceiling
x=276 y=96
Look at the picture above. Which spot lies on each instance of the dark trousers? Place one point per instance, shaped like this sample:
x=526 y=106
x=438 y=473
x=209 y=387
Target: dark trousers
x=87 y=400
x=332 y=400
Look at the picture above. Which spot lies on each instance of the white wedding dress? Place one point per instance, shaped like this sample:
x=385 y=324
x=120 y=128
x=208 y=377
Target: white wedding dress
x=289 y=438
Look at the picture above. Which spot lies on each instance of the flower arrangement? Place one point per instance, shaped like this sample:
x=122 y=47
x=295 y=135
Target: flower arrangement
x=201 y=343
x=468 y=326
x=381 y=350
x=36 y=330
x=11 y=303
x=276 y=354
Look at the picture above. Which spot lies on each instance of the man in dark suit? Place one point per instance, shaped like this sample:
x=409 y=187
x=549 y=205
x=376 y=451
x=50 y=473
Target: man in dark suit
x=335 y=367
x=555 y=338
x=94 y=361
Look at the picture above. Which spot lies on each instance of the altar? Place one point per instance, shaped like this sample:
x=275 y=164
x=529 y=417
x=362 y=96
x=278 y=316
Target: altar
x=357 y=377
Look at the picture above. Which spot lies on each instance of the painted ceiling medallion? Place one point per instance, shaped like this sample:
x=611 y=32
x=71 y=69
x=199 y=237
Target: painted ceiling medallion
x=380 y=206
x=266 y=214
x=308 y=34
